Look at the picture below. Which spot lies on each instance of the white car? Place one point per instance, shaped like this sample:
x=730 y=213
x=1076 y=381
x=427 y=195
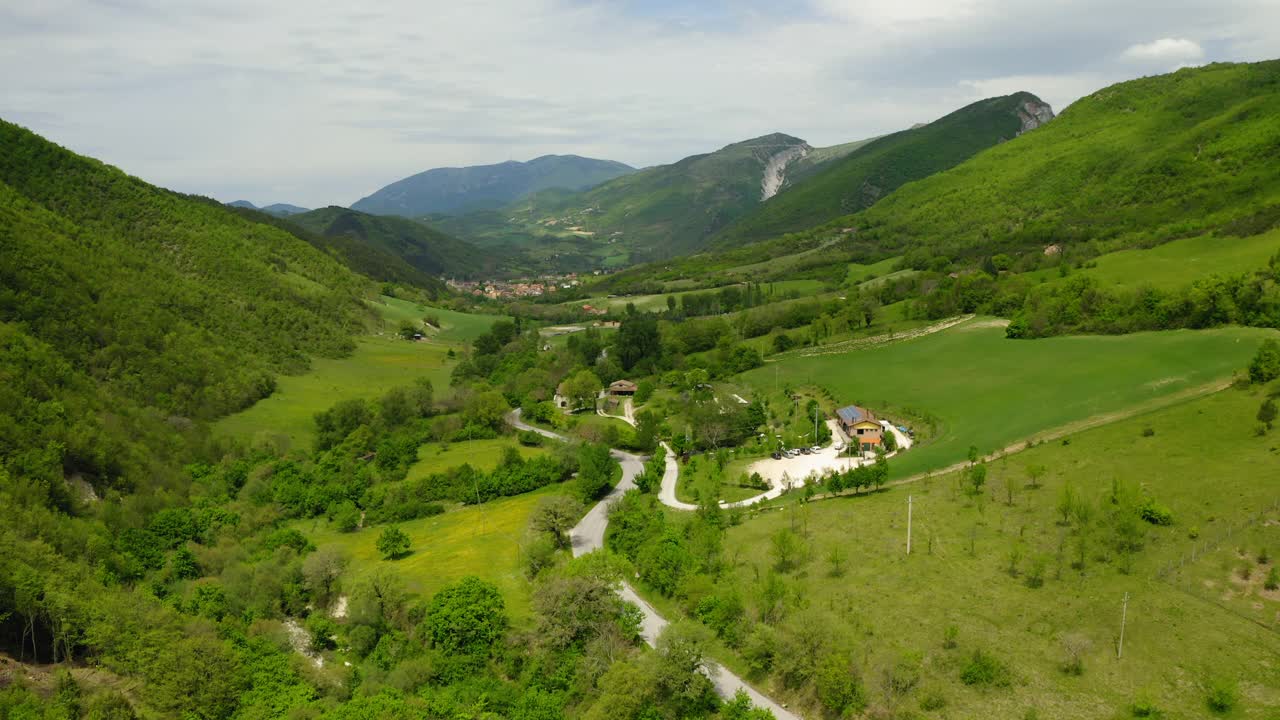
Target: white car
x=816 y=448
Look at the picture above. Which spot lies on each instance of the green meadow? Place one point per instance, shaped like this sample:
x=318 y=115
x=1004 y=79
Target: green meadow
x=983 y=390
x=1179 y=263
x=456 y=327
x=481 y=540
x=377 y=365
x=974 y=557
x=480 y=454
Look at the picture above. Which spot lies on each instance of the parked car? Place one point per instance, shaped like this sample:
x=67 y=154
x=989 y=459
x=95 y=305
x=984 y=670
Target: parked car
x=816 y=448
x=806 y=451
x=777 y=456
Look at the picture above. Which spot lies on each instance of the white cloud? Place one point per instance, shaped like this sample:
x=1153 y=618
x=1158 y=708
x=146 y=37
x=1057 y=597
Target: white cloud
x=1166 y=50
x=322 y=101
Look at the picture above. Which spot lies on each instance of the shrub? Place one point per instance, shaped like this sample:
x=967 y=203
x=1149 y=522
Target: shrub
x=529 y=438
x=1148 y=432
x=1273 y=580
x=949 y=637
x=1263 y=557
x=1144 y=707
x=1035 y=574
x=1155 y=513
x=1221 y=696
x=932 y=700
x=984 y=670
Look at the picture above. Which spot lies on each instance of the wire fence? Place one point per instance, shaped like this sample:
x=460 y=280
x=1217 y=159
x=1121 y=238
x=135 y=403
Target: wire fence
x=1206 y=545
x=1171 y=573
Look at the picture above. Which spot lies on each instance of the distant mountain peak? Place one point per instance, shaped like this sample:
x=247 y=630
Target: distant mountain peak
x=454 y=190
x=277 y=209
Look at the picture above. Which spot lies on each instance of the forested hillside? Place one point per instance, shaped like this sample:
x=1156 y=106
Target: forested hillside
x=1134 y=164
x=169 y=300
x=875 y=169
x=666 y=210
x=423 y=247
x=353 y=251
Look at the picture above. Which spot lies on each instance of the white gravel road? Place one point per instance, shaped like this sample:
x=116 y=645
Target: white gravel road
x=588 y=535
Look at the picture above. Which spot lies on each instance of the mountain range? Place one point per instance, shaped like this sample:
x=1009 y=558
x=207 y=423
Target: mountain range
x=277 y=209
x=455 y=190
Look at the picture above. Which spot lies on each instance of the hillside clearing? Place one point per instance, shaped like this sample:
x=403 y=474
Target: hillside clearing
x=985 y=391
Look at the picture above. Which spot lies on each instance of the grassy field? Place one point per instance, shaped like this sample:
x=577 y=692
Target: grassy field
x=989 y=392
x=859 y=273
x=456 y=327
x=1180 y=262
x=481 y=540
x=479 y=454
x=377 y=365
x=699 y=476
x=658 y=302
x=1200 y=459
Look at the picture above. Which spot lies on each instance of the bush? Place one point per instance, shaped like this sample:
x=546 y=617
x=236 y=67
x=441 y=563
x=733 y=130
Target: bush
x=932 y=700
x=321 y=629
x=1265 y=366
x=529 y=438
x=1155 y=513
x=1144 y=707
x=1273 y=580
x=1221 y=696
x=949 y=637
x=984 y=670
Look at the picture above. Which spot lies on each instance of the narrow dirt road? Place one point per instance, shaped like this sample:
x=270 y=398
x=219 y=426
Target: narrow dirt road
x=588 y=535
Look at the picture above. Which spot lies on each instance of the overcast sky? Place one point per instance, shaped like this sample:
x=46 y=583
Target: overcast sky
x=317 y=102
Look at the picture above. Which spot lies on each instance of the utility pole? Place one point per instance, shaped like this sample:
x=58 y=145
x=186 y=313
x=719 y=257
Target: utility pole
x=1124 y=614
x=908 y=524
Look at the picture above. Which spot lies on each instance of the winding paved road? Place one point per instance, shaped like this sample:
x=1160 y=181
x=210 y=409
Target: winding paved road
x=588 y=535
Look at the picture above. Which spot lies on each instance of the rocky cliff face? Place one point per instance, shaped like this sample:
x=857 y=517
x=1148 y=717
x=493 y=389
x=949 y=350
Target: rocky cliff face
x=775 y=169
x=1033 y=114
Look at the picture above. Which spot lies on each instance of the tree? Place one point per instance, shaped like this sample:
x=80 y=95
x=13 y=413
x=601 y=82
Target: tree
x=595 y=471
x=784 y=547
x=582 y=388
x=1036 y=473
x=321 y=571
x=1267 y=413
x=646 y=437
x=1265 y=366
x=556 y=515
x=393 y=543
x=638 y=340
x=407 y=330
x=487 y=409
x=976 y=476
x=467 y=617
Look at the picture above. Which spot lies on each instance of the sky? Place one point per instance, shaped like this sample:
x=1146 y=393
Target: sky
x=318 y=102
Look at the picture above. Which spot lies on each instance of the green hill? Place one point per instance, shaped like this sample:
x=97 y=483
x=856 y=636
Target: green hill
x=1131 y=165
x=876 y=168
x=422 y=247
x=353 y=251
x=456 y=190
x=668 y=209
x=116 y=296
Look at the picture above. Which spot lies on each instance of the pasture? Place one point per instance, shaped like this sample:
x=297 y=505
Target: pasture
x=1180 y=262
x=455 y=327
x=976 y=555
x=377 y=365
x=985 y=391
x=481 y=540
x=483 y=455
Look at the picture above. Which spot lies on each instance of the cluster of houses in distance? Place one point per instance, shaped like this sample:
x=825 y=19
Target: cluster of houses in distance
x=534 y=287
